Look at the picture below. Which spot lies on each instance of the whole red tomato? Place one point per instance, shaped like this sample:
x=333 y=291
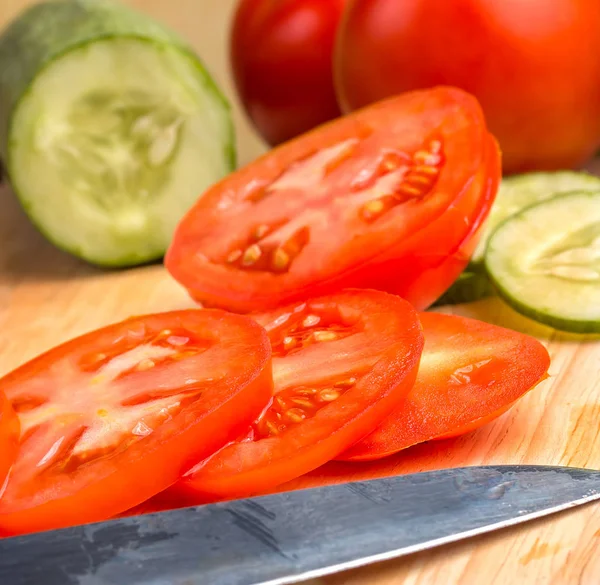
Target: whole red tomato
x=534 y=65
x=281 y=56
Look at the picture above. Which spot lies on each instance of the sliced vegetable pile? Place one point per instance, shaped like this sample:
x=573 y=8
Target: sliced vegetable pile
x=208 y=404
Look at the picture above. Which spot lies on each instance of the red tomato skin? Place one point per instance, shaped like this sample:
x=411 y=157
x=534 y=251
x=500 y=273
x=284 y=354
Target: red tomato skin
x=9 y=437
x=281 y=58
x=146 y=468
x=534 y=66
x=512 y=364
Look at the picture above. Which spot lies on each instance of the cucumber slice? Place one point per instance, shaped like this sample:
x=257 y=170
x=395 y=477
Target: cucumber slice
x=520 y=191
x=467 y=288
x=545 y=261
x=110 y=128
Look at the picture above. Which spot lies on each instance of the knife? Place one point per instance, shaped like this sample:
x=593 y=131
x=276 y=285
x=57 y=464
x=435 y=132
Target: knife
x=292 y=536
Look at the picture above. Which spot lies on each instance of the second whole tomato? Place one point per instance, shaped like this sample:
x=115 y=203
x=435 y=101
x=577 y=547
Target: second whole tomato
x=281 y=56
x=534 y=66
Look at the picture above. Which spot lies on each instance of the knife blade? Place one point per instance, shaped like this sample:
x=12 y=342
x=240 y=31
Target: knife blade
x=292 y=536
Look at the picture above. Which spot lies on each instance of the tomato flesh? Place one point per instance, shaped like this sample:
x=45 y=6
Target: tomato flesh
x=115 y=416
x=9 y=438
x=470 y=373
x=317 y=214
x=341 y=363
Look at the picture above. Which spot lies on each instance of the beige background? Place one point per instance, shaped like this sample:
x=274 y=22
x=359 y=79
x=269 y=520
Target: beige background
x=47 y=297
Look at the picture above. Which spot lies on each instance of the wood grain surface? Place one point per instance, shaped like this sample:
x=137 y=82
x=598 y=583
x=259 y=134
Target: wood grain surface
x=47 y=297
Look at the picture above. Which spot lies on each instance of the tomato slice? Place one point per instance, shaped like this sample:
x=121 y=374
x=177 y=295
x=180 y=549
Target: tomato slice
x=115 y=416
x=470 y=373
x=9 y=438
x=319 y=213
x=341 y=363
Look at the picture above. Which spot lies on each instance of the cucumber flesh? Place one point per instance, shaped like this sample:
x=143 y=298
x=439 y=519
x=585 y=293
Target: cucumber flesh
x=115 y=136
x=545 y=261
x=520 y=191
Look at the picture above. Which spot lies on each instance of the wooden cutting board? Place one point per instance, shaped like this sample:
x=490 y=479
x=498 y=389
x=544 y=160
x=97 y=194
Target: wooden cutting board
x=47 y=297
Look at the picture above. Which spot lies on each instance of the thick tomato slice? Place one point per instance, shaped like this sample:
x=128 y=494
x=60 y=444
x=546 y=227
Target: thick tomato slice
x=9 y=438
x=323 y=212
x=115 y=416
x=340 y=364
x=470 y=373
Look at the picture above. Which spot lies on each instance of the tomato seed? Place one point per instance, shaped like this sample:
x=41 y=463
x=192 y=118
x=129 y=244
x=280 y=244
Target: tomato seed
x=251 y=255
x=305 y=402
x=145 y=364
x=272 y=428
x=345 y=384
x=260 y=231
x=426 y=170
x=418 y=180
x=306 y=391
x=329 y=395
x=324 y=336
x=295 y=415
x=435 y=146
x=234 y=256
x=280 y=260
x=311 y=321
x=433 y=160
x=411 y=191
x=373 y=209
x=421 y=156
x=289 y=343
x=177 y=340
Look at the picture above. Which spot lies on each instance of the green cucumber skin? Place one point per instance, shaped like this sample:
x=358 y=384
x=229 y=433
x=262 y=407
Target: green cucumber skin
x=558 y=323
x=44 y=32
